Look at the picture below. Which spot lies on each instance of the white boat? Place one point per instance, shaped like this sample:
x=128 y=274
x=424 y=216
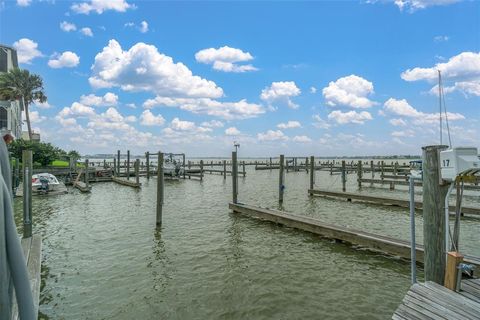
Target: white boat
x=172 y=168
x=45 y=182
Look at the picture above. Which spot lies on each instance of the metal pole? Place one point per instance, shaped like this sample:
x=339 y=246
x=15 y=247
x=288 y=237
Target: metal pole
x=234 y=177
x=160 y=188
x=147 y=159
x=27 y=192
x=413 y=247
x=281 y=179
x=128 y=164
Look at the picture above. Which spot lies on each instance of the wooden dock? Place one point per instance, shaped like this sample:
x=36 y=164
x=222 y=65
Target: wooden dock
x=400 y=182
x=32 y=250
x=125 y=182
x=374 y=242
x=82 y=186
x=430 y=300
x=382 y=200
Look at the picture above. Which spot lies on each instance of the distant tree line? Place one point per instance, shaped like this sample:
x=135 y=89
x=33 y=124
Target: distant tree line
x=43 y=153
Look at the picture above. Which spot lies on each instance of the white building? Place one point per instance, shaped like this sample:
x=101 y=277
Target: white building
x=10 y=111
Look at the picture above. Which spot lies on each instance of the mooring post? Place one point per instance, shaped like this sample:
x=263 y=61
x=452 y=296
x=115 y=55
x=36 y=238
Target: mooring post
x=331 y=167
x=413 y=242
x=243 y=168
x=119 y=164
x=359 y=173
x=224 y=169
x=281 y=179
x=104 y=164
x=395 y=168
x=306 y=164
x=137 y=171
x=201 y=169
x=270 y=163
x=382 y=169
x=312 y=172
x=87 y=164
x=184 y=165
x=434 y=192
x=128 y=164
x=234 y=177
x=147 y=160
x=27 y=192
x=344 y=177
x=159 y=189
x=114 y=166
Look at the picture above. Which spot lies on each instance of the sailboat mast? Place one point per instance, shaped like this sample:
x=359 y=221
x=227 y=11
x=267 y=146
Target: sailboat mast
x=440 y=103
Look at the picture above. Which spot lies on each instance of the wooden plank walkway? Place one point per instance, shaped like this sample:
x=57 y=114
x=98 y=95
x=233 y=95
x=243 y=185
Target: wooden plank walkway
x=383 y=200
x=430 y=300
x=125 y=182
x=405 y=183
x=32 y=250
x=374 y=242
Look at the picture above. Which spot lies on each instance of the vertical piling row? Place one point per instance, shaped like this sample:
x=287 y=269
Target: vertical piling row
x=27 y=192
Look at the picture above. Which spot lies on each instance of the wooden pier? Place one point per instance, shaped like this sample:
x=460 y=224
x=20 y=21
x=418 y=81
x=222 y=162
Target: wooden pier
x=374 y=242
x=383 y=200
x=32 y=250
x=430 y=300
x=125 y=182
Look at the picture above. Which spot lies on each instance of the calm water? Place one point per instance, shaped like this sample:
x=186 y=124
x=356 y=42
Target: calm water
x=103 y=258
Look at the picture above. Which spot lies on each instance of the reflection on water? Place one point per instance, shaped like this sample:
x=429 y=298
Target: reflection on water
x=103 y=258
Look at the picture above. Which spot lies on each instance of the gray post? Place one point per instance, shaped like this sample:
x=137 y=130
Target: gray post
x=159 y=189
x=137 y=171
x=433 y=215
x=413 y=244
x=395 y=168
x=382 y=169
x=119 y=164
x=201 y=169
x=114 y=166
x=104 y=164
x=234 y=177
x=306 y=164
x=128 y=164
x=243 y=168
x=184 y=165
x=359 y=173
x=331 y=167
x=224 y=169
x=281 y=179
x=27 y=192
x=344 y=177
x=86 y=172
x=270 y=163
x=147 y=156
x=372 y=167
x=312 y=172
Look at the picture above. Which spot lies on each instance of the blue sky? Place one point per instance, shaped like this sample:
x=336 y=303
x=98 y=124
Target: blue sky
x=323 y=78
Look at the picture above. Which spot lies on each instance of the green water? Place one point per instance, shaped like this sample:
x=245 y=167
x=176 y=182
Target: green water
x=103 y=258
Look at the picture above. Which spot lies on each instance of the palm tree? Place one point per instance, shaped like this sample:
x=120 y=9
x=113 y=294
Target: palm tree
x=18 y=84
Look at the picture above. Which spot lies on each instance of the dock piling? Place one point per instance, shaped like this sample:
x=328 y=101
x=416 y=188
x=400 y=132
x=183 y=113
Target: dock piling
x=128 y=164
x=137 y=171
x=224 y=169
x=359 y=173
x=234 y=177
x=312 y=171
x=344 y=177
x=201 y=170
x=118 y=163
x=147 y=157
x=27 y=192
x=87 y=178
x=281 y=179
x=160 y=187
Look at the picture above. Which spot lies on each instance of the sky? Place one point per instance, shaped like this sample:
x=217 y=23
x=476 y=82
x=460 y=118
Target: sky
x=324 y=78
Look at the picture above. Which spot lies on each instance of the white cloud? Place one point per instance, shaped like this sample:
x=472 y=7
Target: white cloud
x=100 y=6
x=398 y=122
x=226 y=110
x=468 y=88
x=26 y=50
x=301 y=139
x=147 y=118
x=42 y=105
x=226 y=59
x=351 y=91
x=232 y=131
x=271 y=135
x=319 y=122
x=129 y=24
x=413 y=5
x=87 y=32
x=35 y=117
x=281 y=92
x=289 y=125
x=144 y=26
x=108 y=100
x=67 y=59
x=76 y=110
x=350 y=117
x=143 y=68
x=212 y=124
x=23 y=3
x=67 y=26
x=404 y=133
x=313 y=90
x=441 y=38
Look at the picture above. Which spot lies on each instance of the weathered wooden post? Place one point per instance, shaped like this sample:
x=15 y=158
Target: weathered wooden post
x=118 y=163
x=128 y=164
x=312 y=171
x=382 y=169
x=306 y=164
x=344 y=177
x=137 y=171
x=331 y=167
x=27 y=163
x=395 y=168
x=184 y=165
x=224 y=169
x=87 y=167
x=295 y=164
x=104 y=164
x=160 y=189
x=359 y=173
x=281 y=179
x=243 y=168
x=201 y=169
x=270 y=163
x=114 y=166
x=434 y=192
x=234 y=177
x=372 y=167
x=147 y=157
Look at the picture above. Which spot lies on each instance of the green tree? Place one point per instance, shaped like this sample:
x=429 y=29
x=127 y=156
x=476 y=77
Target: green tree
x=18 y=84
x=74 y=154
x=43 y=153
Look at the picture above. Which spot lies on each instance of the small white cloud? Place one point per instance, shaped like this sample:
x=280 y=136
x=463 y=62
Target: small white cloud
x=441 y=38
x=226 y=59
x=405 y=133
x=42 y=105
x=100 y=6
x=301 y=139
x=281 y=92
x=414 y=5
x=131 y=105
x=86 y=32
x=67 y=26
x=313 y=90
x=26 y=50
x=320 y=123
x=351 y=91
x=271 y=135
x=129 y=24
x=232 y=131
x=212 y=124
x=398 y=122
x=108 y=100
x=147 y=118
x=67 y=59
x=350 y=117
x=289 y=125
x=143 y=27
x=23 y=3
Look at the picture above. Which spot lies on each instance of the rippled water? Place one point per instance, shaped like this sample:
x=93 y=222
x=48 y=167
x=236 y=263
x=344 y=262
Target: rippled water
x=103 y=258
